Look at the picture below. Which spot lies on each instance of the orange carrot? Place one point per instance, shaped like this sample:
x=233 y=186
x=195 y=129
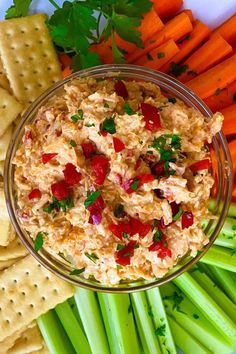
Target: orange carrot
x=199 y=33
x=214 y=79
x=229 y=124
x=232 y=149
x=227 y=30
x=211 y=53
x=158 y=56
x=104 y=50
x=189 y=13
x=167 y=8
x=64 y=59
x=175 y=29
x=66 y=72
x=225 y=98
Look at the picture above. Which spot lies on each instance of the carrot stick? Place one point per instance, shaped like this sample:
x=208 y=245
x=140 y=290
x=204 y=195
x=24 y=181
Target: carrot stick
x=158 y=56
x=226 y=97
x=167 y=8
x=189 y=13
x=227 y=30
x=104 y=50
x=229 y=124
x=66 y=72
x=175 y=29
x=232 y=149
x=64 y=59
x=199 y=33
x=214 y=79
x=212 y=52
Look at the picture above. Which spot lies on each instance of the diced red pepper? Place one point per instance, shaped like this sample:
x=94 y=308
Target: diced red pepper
x=95 y=210
x=138 y=164
x=126 y=185
x=146 y=178
x=28 y=136
x=121 y=89
x=141 y=179
x=47 y=157
x=126 y=252
x=200 y=165
x=72 y=176
x=187 y=219
x=123 y=261
x=164 y=252
x=35 y=194
x=60 y=190
x=137 y=227
x=155 y=246
x=158 y=169
x=151 y=116
x=88 y=150
x=118 y=144
x=119 y=229
x=100 y=166
x=103 y=132
x=174 y=208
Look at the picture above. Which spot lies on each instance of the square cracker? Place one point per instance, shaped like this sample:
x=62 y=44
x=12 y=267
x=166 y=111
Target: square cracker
x=7 y=264
x=3 y=78
x=8 y=342
x=27 y=291
x=14 y=249
x=10 y=108
x=4 y=142
x=30 y=340
x=7 y=233
x=28 y=56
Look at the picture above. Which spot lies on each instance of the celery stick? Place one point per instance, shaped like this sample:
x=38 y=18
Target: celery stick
x=120 y=317
x=54 y=334
x=145 y=326
x=159 y=317
x=221 y=257
x=207 y=305
x=215 y=292
x=108 y=323
x=192 y=320
x=231 y=211
x=72 y=328
x=74 y=308
x=229 y=227
x=185 y=341
x=224 y=280
x=224 y=240
x=90 y=315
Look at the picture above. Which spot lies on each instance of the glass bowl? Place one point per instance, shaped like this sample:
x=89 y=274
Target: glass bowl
x=222 y=171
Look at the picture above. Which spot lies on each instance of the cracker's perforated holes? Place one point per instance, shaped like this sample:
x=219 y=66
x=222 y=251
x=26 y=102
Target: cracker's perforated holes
x=19 y=314
x=32 y=306
x=23 y=293
x=15 y=281
x=11 y=301
x=35 y=285
x=7 y=321
x=55 y=291
x=39 y=265
x=3 y=106
x=43 y=298
x=3 y=288
x=36 y=28
x=27 y=273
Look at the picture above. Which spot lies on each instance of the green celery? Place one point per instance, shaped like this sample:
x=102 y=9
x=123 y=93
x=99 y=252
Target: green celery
x=225 y=240
x=207 y=306
x=215 y=292
x=90 y=315
x=185 y=341
x=221 y=257
x=144 y=323
x=192 y=320
x=54 y=334
x=72 y=328
x=231 y=211
x=223 y=279
x=120 y=318
x=159 y=317
x=74 y=308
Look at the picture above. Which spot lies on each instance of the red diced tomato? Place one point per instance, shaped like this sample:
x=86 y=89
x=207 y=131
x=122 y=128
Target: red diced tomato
x=137 y=227
x=97 y=205
x=138 y=164
x=72 y=176
x=187 y=219
x=118 y=144
x=151 y=116
x=123 y=261
x=174 y=208
x=60 y=190
x=28 y=136
x=119 y=229
x=88 y=150
x=121 y=89
x=158 y=169
x=47 y=157
x=126 y=185
x=155 y=246
x=35 y=194
x=164 y=252
x=146 y=178
x=100 y=166
x=126 y=252
x=200 y=165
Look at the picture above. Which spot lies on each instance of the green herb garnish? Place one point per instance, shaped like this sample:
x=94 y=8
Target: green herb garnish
x=63 y=205
x=109 y=125
x=134 y=185
x=120 y=247
x=218 y=91
x=177 y=69
x=124 y=235
x=106 y=105
x=75 y=118
x=91 y=198
x=73 y=143
x=77 y=271
x=172 y=100
x=158 y=235
x=38 y=242
x=119 y=211
x=154 y=224
x=89 y=125
x=91 y=256
x=160 y=331
x=160 y=55
x=128 y=109
x=178 y=215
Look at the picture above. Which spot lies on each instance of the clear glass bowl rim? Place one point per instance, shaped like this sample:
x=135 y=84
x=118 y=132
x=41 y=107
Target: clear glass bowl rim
x=133 y=72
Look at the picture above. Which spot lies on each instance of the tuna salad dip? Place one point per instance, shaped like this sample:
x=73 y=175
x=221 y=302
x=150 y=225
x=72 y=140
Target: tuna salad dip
x=115 y=177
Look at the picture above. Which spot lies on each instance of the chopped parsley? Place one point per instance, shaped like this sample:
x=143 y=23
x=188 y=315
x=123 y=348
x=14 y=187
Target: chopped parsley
x=160 y=55
x=78 y=116
x=128 y=109
x=89 y=125
x=75 y=118
x=73 y=143
x=134 y=185
x=120 y=247
x=77 y=271
x=165 y=149
x=178 y=215
x=234 y=227
x=150 y=312
x=118 y=266
x=167 y=169
x=119 y=211
x=160 y=331
x=106 y=105
x=91 y=256
x=176 y=299
x=91 y=198
x=177 y=70
x=154 y=224
x=195 y=315
x=149 y=57
x=109 y=125
x=158 y=235
x=218 y=91
x=172 y=100
x=136 y=246
x=38 y=242
x=124 y=235
x=57 y=205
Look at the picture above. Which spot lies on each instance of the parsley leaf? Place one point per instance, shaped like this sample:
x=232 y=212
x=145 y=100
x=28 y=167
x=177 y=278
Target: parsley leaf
x=19 y=9
x=128 y=109
x=57 y=205
x=91 y=256
x=120 y=247
x=134 y=185
x=109 y=125
x=73 y=143
x=178 y=215
x=38 y=242
x=119 y=211
x=91 y=198
x=172 y=99
x=218 y=91
x=158 y=235
x=160 y=55
x=77 y=271
x=161 y=331
x=177 y=69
